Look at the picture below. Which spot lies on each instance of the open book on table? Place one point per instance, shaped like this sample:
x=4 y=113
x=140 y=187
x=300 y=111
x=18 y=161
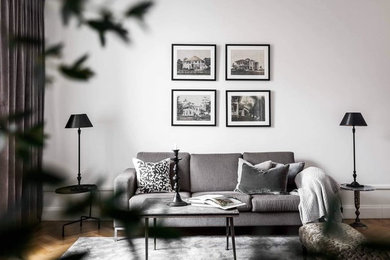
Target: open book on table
x=217 y=201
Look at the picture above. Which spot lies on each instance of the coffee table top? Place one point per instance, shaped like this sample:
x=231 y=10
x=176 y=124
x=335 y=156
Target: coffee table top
x=159 y=208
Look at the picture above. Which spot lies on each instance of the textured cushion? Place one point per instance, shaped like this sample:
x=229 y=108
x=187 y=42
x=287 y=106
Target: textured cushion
x=238 y=195
x=274 y=203
x=136 y=201
x=183 y=166
x=255 y=181
x=152 y=177
x=344 y=243
x=261 y=166
x=282 y=157
x=293 y=170
x=213 y=172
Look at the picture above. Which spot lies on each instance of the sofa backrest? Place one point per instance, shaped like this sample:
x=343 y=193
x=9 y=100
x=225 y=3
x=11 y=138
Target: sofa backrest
x=214 y=172
x=184 y=165
x=280 y=157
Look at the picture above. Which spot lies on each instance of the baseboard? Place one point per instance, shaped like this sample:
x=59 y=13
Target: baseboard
x=367 y=211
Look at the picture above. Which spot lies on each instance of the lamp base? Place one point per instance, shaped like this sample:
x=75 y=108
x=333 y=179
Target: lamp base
x=177 y=201
x=355 y=184
x=177 y=204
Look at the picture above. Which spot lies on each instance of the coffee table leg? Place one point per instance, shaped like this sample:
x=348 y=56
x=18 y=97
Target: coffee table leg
x=154 y=226
x=146 y=237
x=227 y=233
x=233 y=238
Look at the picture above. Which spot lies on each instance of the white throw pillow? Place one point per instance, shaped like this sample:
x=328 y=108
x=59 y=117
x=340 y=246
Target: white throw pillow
x=265 y=166
x=152 y=177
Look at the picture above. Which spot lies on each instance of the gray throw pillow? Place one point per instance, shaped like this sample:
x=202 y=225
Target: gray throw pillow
x=255 y=181
x=293 y=170
x=152 y=176
x=260 y=166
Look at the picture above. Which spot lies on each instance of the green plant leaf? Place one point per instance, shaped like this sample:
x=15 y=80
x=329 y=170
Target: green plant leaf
x=15 y=237
x=139 y=10
x=12 y=118
x=106 y=24
x=46 y=176
x=33 y=136
x=80 y=206
x=76 y=71
x=54 y=50
x=164 y=232
x=72 y=8
x=25 y=41
x=75 y=256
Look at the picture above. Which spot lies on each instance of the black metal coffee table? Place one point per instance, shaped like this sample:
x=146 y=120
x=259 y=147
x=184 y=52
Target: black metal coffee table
x=158 y=208
x=75 y=189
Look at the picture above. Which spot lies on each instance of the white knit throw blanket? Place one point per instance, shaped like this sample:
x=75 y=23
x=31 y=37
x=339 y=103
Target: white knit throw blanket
x=318 y=194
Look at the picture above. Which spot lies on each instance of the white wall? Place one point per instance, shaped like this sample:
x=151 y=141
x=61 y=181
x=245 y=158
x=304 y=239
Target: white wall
x=328 y=57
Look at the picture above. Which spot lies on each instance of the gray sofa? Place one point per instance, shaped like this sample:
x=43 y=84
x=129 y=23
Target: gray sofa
x=216 y=173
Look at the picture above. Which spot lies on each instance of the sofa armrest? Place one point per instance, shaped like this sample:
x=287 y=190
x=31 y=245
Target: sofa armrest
x=126 y=182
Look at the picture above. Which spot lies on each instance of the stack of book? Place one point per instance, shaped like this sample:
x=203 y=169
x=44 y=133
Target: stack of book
x=217 y=201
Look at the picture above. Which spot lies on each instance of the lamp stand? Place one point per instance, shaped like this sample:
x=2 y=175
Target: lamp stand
x=177 y=201
x=354 y=184
x=79 y=174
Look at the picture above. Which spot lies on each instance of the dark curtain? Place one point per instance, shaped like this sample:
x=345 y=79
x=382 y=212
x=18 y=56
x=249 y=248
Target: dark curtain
x=21 y=89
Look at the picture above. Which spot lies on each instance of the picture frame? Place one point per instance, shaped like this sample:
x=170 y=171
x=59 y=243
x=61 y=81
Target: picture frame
x=248 y=108
x=194 y=62
x=247 y=62
x=194 y=107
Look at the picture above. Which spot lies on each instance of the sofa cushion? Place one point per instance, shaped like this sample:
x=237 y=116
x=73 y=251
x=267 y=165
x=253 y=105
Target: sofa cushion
x=152 y=177
x=136 y=201
x=293 y=170
x=238 y=195
x=183 y=166
x=257 y=181
x=213 y=172
x=275 y=203
x=281 y=157
x=261 y=166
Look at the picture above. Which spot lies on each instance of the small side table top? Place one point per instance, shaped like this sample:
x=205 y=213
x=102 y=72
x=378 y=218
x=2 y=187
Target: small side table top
x=364 y=188
x=74 y=189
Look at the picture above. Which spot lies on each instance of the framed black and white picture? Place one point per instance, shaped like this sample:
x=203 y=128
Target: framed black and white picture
x=193 y=61
x=247 y=62
x=194 y=107
x=248 y=108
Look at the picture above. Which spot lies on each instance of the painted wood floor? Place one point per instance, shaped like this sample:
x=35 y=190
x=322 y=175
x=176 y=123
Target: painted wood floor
x=49 y=244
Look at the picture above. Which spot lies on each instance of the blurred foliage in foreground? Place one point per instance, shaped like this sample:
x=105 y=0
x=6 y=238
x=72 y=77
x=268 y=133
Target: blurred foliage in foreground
x=16 y=237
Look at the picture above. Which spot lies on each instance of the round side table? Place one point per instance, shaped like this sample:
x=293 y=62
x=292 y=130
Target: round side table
x=356 y=191
x=75 y=189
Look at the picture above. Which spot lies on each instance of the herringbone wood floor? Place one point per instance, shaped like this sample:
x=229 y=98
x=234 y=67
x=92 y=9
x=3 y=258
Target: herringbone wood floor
x=49 y=244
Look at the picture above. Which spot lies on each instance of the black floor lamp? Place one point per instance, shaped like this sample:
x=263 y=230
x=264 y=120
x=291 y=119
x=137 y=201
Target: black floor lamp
x=78 y=121
x=353 y=119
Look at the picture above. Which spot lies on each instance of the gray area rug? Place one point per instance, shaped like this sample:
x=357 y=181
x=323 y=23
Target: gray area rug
x=191 y=247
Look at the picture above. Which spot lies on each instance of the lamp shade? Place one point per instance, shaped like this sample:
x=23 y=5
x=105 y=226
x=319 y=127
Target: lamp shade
x=78 y=121
x=353 y=119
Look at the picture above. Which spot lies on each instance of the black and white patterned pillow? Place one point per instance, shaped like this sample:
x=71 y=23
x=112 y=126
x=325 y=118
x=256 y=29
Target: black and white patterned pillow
x=152 y=177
